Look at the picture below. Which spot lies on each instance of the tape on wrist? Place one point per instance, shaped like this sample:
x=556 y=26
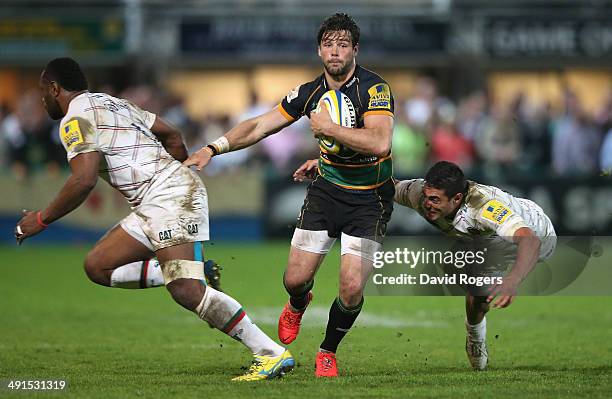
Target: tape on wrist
x=220 y=145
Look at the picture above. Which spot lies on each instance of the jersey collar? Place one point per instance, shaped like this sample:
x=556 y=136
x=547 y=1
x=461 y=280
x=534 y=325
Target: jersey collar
x=351 y=81
x=73 y=100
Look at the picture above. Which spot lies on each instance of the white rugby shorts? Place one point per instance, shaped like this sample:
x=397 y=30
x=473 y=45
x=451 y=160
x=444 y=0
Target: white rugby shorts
x=173 y=211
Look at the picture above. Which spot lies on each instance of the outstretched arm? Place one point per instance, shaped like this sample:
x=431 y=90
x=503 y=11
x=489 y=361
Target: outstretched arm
x=243 y=135
x=407 y=192
x=527 y=256
x=82 y=180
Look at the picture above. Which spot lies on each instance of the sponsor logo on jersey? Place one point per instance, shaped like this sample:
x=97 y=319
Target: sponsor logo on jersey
x=293 y=94
x=380 y=96
x=496 y=212
x=71 y=134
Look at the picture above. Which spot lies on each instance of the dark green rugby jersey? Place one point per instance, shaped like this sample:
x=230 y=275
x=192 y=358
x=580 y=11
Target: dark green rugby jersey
x=370 y=95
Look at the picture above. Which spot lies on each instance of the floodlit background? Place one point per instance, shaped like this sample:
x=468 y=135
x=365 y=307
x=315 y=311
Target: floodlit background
x=518 y=92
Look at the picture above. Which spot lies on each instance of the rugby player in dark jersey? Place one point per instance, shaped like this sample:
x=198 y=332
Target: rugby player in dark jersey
x=352 y=196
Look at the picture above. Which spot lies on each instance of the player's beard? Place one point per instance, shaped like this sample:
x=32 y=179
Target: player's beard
x=339 y=70
x=53 y=108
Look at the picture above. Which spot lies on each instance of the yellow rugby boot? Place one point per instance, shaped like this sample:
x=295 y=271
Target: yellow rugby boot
x=267 y=367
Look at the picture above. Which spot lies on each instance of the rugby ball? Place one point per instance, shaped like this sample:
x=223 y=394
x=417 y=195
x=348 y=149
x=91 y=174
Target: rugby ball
x=342 y=113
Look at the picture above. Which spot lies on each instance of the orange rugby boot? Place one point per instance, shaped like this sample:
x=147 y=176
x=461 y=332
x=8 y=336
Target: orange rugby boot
x=325 y=365
x=289 y=322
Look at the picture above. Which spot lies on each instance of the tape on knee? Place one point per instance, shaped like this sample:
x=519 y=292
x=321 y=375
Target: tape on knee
x=362 y=247
x=315 y=241
x=178 y=268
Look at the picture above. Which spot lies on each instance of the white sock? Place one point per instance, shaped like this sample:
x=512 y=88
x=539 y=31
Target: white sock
x=143 y=274
x=226 y=314
x=477 y=332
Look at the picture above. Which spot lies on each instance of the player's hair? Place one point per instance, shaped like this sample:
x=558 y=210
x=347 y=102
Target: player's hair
x=339 y=22
x=67 y=73
x=448 y=177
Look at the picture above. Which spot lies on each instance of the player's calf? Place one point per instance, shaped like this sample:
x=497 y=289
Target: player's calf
x=187 y=292
x=290 y=318
x=308 y=248
x=476 y=307
x=299 y=293
x=355 y=267
x=351 y=291
x=184 y=281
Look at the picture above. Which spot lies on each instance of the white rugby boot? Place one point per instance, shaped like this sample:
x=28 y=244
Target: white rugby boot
x=477 y=353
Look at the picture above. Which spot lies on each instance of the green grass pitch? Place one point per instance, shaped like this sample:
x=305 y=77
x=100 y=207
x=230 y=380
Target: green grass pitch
x=55 y=324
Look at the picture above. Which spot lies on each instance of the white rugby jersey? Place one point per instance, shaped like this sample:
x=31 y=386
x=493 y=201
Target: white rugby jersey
x=133 y=158
x=485 y=211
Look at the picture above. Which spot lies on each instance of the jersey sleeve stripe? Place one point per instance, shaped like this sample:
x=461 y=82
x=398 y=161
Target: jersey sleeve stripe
x=378 y=112
x=309 y=98
x=285 y=113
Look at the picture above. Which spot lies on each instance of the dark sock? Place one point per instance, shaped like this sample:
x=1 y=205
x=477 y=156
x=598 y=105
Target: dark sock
x=299 y=300
x=341 y=319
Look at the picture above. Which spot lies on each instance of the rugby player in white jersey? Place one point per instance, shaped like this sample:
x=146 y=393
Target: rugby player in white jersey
x=468 y=211
x=140 y=155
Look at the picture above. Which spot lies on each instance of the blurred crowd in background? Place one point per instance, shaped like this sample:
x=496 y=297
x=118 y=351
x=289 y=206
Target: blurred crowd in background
x=482 y=137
